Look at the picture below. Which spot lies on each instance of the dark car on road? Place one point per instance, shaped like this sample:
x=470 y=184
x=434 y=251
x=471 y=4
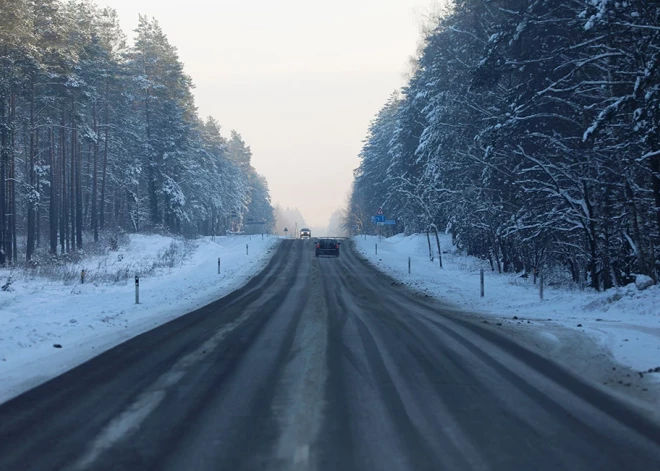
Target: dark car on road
x=327 y=247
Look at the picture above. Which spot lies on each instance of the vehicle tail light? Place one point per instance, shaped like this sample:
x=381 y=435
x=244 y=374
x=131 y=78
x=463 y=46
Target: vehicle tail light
x=336 y=246
x=318 y=246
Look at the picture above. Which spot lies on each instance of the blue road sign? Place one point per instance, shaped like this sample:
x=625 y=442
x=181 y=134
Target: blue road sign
x=378 y=218
x=390 y=222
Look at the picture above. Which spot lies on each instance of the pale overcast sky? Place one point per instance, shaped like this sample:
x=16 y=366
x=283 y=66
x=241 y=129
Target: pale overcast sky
x=299 y=79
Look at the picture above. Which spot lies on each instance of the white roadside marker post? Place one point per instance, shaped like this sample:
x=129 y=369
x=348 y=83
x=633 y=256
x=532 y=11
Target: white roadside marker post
x=376 y=249
x=218 y=265
x=482 y=283
x=246 y=249
x=137 y=289
x=541 y=286
x=409 y=265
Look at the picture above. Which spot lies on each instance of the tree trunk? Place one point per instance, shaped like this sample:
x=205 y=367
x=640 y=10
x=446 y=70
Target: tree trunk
x=117 y=206
x=428 y=239
x=29 y=164
x=105 y=153
x=151 y=171
x=213 y=218
x=506 y=259
x=13 y=253
x=4 y=158
x=72 y=175
x=655 y=169
x=53 y=195
x=79 y=198
x=437 y=241
x=496 y=254
x=37 y=186
x=591 y=232
x=86 y=182
x=64 y=239
x=95 y=224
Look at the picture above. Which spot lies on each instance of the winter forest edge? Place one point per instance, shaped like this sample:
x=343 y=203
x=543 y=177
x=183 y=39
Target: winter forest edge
x=98 y=137
x=529 y=131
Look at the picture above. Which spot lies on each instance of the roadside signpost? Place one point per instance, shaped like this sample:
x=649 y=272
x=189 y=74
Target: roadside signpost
x=379 y=220
x=252 y=222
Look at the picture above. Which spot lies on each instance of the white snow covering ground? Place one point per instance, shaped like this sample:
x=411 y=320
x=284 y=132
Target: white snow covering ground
x=626 y=321
x=177 y=276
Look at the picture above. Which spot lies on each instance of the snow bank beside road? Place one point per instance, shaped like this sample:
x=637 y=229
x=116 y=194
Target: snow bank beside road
x=85 y=319
x=626 y=321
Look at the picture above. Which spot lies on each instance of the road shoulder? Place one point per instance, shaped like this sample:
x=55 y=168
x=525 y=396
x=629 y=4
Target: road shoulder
x=563 y=337
x=52 y=325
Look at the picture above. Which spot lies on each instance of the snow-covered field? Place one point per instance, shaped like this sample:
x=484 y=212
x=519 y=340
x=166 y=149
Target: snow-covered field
x=623 y=321
x=49 y=325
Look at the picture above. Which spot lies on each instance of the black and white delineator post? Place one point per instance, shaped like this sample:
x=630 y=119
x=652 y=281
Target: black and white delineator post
x=246 y=249
x=218 y=265
x=137 y=289
x=376 y=249
x=482 y=282
x=409 y=265
x=541 y=285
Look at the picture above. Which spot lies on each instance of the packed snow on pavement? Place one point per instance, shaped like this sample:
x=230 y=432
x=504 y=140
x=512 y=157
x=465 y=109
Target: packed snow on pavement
x=51 y=322
x=621 y=324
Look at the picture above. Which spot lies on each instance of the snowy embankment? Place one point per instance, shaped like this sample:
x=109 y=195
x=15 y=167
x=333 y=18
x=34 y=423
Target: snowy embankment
x=624 y=322
x=48 y=325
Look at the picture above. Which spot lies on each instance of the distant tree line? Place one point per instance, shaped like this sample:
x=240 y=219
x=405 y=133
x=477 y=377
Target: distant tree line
x=289 y=219
x=529 y=130
x=98 y=135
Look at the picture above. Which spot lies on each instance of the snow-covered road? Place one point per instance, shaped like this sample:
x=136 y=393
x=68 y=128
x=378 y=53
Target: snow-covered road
x=84 y=320
x=322 y=364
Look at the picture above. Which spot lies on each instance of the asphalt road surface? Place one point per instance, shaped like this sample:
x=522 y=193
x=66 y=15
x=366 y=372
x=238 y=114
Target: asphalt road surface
x=322 y=364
